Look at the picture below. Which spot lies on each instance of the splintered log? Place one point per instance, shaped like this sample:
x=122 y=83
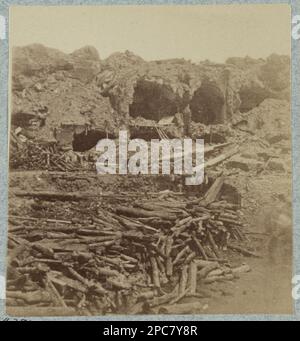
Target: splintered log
x=155 y=272
x=94 y=240
x=216 y=160
x=32 y=297
x=168 y=245
x=193 y=277
x=53 y=195
x=213 y=192
x=102 y=244
x=203 y=263
x=156 y=207
x=190 y=257
x=108 y=272
x=135 y=212
x=161 y=266
x=181 y=229
x=168 y=261
x=104 y=234
x=243 y=251
x=48 y=252
x=212 y=279
x=129 y=258
x=184 y=221
x=119 y=283
x=241 y=269
x=217 y=272
x=63 y=282
x=133 y=223
x=181 y=254
x=230 y=215
x=56 y=293
x=230 y=221
x=169 y=267
x=207 y=269
x=183 y=280
x=199 y=246
x=213 y=244
x=222 y=157
x=209 y=149
x=165 y=298
x=180 y=296
x=36 y=235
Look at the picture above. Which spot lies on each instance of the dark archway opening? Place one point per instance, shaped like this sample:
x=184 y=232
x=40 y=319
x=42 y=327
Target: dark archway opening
x=207 y=104
x=154 y=101
x=88 y=139
x=251 y=97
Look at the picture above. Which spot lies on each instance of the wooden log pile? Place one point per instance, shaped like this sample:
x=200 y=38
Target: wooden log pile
x=32 y=155
x=120 y=254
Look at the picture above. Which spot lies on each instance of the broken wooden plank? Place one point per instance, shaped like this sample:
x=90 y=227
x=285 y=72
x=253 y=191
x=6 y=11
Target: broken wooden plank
x=213 y=192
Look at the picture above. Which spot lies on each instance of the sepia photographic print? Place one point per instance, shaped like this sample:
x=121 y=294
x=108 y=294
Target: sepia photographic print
x=150 y=167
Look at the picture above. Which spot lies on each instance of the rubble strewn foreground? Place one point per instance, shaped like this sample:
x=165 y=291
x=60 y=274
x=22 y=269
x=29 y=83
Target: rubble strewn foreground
x=80 y=243
x=128 y=253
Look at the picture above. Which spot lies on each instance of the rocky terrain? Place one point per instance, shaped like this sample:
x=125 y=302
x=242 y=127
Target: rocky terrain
x=81 y=87
x=81 y=243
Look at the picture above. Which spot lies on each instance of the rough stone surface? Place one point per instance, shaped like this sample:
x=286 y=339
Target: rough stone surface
x=80 y=87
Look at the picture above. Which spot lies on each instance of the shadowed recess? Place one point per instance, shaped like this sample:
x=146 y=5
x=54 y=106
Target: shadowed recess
x=207 y=104
x=154 y=101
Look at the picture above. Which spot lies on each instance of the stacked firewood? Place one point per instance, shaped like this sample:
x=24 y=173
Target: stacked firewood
x=32 y=156
x=120 y=254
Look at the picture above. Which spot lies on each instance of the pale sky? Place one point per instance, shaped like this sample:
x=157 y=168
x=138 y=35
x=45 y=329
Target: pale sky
x=157 y=32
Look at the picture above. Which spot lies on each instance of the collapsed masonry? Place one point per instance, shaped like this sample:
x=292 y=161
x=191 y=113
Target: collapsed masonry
x=59 y=114
x=53 y=91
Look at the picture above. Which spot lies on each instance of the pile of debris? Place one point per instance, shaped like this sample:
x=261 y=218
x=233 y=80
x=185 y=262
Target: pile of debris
x=32 y=155
x=50 y=87
x=120 y=253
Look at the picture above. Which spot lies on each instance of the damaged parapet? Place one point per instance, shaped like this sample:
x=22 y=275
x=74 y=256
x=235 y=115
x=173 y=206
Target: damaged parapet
x=123 y=87
x=214 y=92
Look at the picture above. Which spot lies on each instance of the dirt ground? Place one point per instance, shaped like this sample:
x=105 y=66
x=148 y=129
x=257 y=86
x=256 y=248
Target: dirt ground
x=264 y=290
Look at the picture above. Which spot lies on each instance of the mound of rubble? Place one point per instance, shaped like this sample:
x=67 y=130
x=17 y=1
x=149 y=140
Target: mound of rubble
x=215 y=92
x=51 y=88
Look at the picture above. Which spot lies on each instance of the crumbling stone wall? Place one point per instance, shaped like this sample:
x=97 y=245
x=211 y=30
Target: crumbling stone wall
x=215 y=92
x=81 y=88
